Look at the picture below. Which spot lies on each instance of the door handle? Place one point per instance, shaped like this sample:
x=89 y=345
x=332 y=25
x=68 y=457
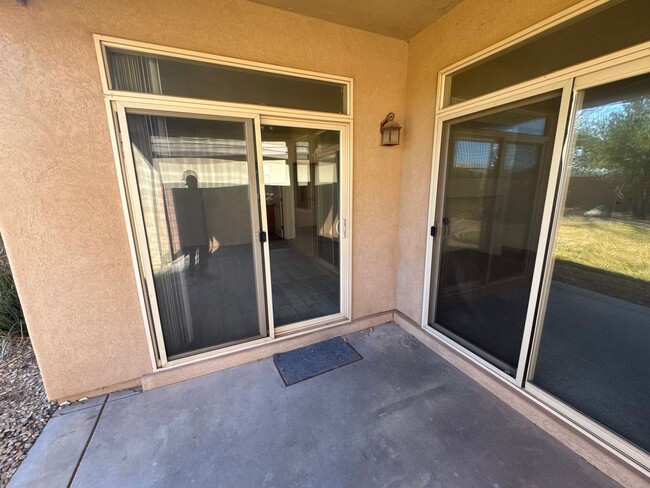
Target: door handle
x=340 y=227
x=445 y=229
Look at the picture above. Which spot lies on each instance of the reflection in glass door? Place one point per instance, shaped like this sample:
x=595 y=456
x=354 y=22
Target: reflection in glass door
x=326 y=182
x=195 y=182
x=594 y=352
x=302 y=177
x=494 y=183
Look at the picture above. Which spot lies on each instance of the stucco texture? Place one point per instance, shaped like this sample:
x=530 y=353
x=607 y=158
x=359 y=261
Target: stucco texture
x=470 y=27
x=60 y=210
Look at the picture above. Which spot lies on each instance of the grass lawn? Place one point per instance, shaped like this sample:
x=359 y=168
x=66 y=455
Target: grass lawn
x=611 y=245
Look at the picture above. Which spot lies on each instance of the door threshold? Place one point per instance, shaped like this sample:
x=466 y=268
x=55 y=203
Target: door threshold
x=246 y=353
x=281 y=333
x=486 y=356
x=310 y=325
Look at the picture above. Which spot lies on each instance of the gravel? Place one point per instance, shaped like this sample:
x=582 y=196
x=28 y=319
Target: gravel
x=24 y=407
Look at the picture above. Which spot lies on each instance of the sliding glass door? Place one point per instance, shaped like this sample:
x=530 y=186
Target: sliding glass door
x=540 y=265
x=594 y=327
x=494 y=183
x=238 y=224
x=303 y=177
x=194 y=180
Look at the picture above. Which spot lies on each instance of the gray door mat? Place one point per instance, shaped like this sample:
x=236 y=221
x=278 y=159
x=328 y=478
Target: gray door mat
x=309 y=361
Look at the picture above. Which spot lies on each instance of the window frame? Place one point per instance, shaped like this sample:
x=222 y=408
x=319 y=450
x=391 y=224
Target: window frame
x=443 y=94
x=102 y=42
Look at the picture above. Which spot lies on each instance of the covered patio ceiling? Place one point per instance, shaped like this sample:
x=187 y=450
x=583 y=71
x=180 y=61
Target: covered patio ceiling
x=399 y=19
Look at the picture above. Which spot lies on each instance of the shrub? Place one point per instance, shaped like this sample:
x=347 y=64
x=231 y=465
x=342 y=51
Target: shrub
x=11 y=314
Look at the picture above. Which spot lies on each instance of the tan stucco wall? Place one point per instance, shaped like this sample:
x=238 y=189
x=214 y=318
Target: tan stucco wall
x=60 y=210
x=467 y=29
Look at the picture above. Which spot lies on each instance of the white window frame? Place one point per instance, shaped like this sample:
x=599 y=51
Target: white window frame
x=444 y=76
x=102 y=42
x=611 y=67
x=117 y=101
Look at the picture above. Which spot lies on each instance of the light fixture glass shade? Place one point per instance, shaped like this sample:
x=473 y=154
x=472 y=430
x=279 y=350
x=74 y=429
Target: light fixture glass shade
x=390 y=137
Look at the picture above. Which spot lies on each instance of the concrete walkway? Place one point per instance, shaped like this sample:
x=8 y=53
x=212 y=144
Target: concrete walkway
x=400 y=417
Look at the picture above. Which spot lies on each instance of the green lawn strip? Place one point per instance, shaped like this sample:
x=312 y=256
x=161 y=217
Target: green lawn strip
x=613 y=246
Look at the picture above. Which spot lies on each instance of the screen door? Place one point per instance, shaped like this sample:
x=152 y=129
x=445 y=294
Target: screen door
x=494 y=180
x=195 y=203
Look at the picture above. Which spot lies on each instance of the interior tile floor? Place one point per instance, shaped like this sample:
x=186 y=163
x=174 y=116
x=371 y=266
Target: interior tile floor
x=400 y=417
x=303 y=289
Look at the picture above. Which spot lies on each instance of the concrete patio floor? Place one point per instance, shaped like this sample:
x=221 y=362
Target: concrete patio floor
x=401 y=417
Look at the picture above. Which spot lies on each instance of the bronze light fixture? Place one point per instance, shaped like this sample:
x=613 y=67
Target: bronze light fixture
x=390 y=131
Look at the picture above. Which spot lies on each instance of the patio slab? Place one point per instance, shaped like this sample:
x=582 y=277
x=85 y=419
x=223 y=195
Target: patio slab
x=56 y=454
x=400 y=417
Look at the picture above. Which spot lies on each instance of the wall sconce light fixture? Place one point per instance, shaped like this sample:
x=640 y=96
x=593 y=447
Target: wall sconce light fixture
x=390 y=131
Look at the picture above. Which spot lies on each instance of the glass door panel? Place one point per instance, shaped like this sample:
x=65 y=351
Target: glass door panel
x=494 y=183
x=302 y=178
x=594 y=352
x=196 y=186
